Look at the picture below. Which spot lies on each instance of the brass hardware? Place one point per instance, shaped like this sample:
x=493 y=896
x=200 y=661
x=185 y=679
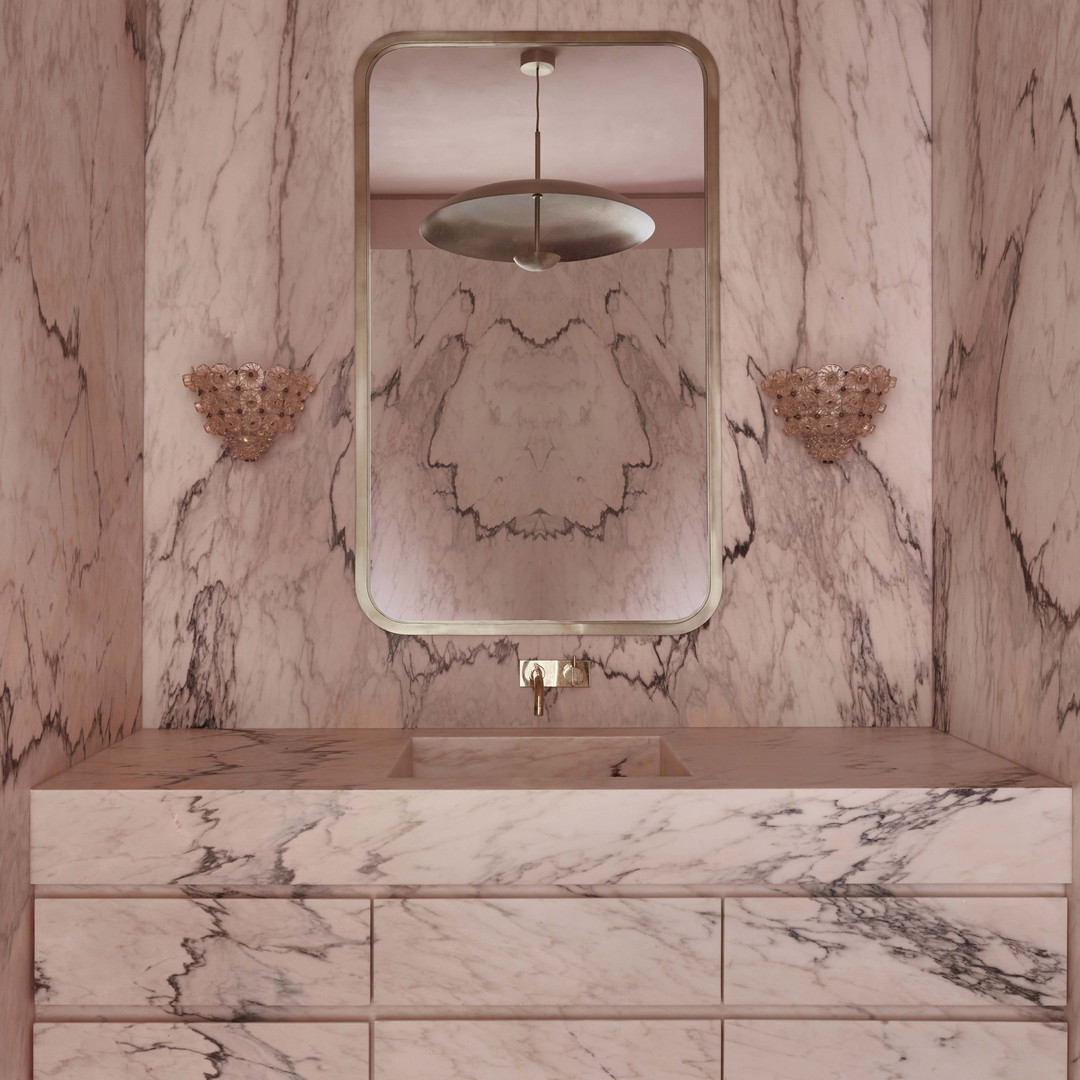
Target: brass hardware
x=536 y=681
x=539 y=675
x=572 y=673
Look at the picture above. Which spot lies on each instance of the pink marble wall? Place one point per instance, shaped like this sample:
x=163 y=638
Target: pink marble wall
x=71 y=200
x=538 y=442
x=825 y=225
x=1007 y=382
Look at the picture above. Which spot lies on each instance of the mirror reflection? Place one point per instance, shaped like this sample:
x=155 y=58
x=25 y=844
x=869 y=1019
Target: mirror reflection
x=537 y=444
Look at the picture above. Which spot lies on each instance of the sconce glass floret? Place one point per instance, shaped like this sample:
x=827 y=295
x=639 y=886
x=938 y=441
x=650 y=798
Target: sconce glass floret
x=248 y=407
x=829 y=408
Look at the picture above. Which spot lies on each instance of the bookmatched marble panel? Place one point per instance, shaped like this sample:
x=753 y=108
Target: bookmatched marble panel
x=548 y=952
x=297 y=1051
x=548 y=1050
x=892 y=951
x=899 y=1050
x=538 y=441
x=824 y=219
x=515 y=837
x=228 y=958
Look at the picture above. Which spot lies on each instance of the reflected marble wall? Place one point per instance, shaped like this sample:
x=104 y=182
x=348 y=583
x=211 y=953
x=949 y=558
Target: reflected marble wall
x=1007 y=381
x=71 y=196
x=539 y=440
x=251 y=614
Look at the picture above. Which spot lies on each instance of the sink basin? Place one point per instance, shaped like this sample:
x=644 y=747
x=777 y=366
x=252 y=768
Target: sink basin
x=547 y=757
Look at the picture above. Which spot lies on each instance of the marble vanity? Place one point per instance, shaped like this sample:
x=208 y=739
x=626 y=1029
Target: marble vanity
x=745 y=904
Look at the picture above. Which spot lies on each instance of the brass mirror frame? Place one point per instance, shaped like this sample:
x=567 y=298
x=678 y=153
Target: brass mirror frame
x=524 y=40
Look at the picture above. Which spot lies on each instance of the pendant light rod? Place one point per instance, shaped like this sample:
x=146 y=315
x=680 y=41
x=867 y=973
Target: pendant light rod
x=536 y=134
x=536 y=149
x=536 y=222
x=537 y=62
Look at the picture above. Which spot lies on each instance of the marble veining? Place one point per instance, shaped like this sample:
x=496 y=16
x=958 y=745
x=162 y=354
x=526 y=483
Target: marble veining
x=548 y=952
x=71 y=380
x=763 y=758
x=824 y=214
x=548 y=1050
x=221 y=959
x=1006 y=382
x=585 y=497
x=892 y=951
x=1007 y=378
x=294 y=1051
x=552 y=836
x=896 y=1050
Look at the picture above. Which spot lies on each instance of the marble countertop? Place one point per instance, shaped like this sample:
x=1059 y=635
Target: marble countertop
x=376 y=759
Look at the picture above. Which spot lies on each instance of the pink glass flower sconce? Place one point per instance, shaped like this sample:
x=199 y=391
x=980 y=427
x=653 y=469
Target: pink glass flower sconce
x=829 y=409
x=248 y=407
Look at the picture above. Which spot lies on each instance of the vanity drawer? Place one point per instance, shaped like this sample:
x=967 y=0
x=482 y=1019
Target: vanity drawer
x=194 y=1051
x=547 y=1050
x=210 y=958
x=547 y=952
x=895 y=951
x=899 y=1050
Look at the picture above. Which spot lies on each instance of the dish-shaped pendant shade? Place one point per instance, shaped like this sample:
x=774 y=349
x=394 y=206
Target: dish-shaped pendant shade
x=496 y=221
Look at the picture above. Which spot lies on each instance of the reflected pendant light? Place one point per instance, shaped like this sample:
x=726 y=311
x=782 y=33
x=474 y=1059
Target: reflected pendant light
x=537 y=223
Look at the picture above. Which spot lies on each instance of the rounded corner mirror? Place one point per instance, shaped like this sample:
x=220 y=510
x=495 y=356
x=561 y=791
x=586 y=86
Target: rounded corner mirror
x=538 y=426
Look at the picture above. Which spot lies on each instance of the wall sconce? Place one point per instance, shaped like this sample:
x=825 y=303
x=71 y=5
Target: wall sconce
x=248 y=407
x=829 y=408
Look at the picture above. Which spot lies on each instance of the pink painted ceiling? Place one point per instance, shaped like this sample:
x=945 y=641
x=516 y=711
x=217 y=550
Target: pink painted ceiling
x=625 y=117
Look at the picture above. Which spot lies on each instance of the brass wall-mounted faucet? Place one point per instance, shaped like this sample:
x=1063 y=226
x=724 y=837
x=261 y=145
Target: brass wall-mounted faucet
x=536 y=681
x=539 y=675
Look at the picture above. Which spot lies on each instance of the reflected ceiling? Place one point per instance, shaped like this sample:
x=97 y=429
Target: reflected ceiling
x=604 y=119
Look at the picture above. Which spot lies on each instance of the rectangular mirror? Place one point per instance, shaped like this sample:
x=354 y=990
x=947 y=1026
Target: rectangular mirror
x=537 y=449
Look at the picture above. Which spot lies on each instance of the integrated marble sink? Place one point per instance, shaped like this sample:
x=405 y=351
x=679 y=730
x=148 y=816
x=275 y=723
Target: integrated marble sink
x=521 y=807
x=554 y=757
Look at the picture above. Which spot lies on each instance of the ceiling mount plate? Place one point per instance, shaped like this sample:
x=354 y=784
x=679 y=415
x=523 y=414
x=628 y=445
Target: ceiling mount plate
x=537 y=62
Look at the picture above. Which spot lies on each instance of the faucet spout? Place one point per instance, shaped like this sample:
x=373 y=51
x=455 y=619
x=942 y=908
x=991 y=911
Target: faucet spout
x=536 y=681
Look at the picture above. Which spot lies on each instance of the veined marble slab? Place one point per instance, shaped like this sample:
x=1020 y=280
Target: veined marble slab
x=548 y=952
x=898 y=1050
x=824 y=211
x=891 y=951
x=73 y=115
x=227 y=958
x=197 y=1051
x=548 y=1050
x=518 y=837
x=323 y=758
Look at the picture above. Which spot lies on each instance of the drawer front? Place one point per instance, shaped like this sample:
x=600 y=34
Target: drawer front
x=196 y=1051
x=209 y=958
x=893 y=951
x=899 y=1050
x=547 y=1050
x=552 y=837
x=548 y=952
